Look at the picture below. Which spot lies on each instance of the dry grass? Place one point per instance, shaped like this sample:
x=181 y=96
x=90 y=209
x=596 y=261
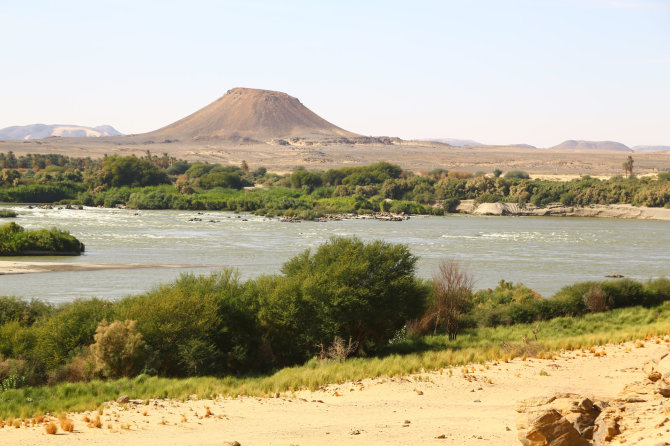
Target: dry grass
x=66 y=424
x=96 y=423
x=52 y=428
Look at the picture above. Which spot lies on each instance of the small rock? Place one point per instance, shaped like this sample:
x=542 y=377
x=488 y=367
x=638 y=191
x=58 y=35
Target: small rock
x=441 y=437
x=551 y=428
x=418 y=392
x=354 y=432
x=125 y=399
x=606 y=429
x=662 y=389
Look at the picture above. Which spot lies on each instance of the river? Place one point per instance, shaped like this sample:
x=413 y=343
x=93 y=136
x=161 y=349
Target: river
x=544 y=253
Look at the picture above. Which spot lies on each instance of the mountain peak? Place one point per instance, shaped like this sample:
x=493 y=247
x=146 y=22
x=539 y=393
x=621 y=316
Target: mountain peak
x=254 y=114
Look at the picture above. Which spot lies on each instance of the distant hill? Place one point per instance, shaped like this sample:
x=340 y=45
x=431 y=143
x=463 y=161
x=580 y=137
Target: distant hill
x=38 y=131
x=456 y=142
x=253 y=115
x=651 y=148
x=572 y=144
x=523 y=146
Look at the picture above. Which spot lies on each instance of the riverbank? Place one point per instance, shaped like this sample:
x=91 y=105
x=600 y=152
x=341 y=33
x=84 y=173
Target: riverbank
x=624 y=211
x=447 y=406
x=11 y=267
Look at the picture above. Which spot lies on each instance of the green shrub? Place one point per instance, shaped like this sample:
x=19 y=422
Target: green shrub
x=657 y=291
x=450 y=204
x=118 y=349
x=358 y=290
x=71 y=327
x=14 y=240
x=624 y=293
x=516 y=175
x=211 y=312
x=21 y=311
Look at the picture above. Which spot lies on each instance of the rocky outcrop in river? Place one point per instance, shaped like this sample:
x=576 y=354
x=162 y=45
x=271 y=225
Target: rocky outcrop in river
x=561 y=210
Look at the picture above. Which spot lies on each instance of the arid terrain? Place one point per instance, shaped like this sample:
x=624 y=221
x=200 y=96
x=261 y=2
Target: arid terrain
x=473 y=405
x=275 y=130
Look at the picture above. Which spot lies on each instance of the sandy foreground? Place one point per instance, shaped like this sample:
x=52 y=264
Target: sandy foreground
x=441 y=407
x=11 y=267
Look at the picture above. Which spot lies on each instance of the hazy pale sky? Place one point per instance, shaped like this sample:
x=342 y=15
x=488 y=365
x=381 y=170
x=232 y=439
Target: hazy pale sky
x=535 y=71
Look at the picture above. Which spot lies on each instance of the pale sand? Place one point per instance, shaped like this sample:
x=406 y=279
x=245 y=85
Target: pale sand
x=12 y=267
x=479 y=411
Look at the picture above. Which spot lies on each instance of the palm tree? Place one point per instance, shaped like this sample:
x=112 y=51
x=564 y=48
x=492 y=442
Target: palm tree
x=628 y=167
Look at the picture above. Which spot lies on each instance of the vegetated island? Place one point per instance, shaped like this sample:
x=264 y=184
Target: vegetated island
x=7 y=213
x=154 y=182
x=16 y=241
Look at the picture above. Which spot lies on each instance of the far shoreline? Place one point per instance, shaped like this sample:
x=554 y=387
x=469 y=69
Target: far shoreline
x=9 y=267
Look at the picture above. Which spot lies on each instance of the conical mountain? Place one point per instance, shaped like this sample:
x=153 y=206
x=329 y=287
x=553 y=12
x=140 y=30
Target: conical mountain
x=251 y=114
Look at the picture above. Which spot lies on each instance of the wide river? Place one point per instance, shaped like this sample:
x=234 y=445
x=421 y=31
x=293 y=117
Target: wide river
x=543 y=253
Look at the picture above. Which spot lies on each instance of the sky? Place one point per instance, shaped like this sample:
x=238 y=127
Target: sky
x=499 y=72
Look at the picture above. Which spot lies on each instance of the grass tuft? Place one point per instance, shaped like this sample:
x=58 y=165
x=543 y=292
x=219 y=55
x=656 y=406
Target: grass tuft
x=52 y=428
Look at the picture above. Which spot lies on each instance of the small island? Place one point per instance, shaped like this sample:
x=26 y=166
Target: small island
x=16 y=241
x=7 y=213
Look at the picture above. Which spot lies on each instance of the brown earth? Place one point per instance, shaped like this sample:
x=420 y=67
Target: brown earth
x=417 y=156
x=250 y=114
x=274 y=130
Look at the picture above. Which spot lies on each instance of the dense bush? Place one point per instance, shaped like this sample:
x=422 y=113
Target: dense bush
x=511 y=304
x=516 y=174
x=353 y=289
x=118 y=349
x=120 y=171
x=14 y=240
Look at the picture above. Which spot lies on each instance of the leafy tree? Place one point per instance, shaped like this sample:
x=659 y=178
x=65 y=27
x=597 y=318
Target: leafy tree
x=221 y=179
x=353 y=289
x=130 y=171
x=302 y=178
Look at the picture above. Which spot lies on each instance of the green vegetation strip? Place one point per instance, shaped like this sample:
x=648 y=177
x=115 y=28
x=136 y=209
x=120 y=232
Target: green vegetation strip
x=409 y=356
x=153 y=182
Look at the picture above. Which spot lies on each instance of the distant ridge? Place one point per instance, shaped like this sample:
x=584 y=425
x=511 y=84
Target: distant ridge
x=572 y=144
x=251 y=115
x=456 y=142
x=651 y=148
x=39 y=131
x=523 y=146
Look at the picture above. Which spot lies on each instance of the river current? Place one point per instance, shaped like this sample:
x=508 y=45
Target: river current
x=544 y=253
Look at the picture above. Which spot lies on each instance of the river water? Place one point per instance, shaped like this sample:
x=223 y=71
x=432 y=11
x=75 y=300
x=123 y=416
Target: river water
x=544 y=253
